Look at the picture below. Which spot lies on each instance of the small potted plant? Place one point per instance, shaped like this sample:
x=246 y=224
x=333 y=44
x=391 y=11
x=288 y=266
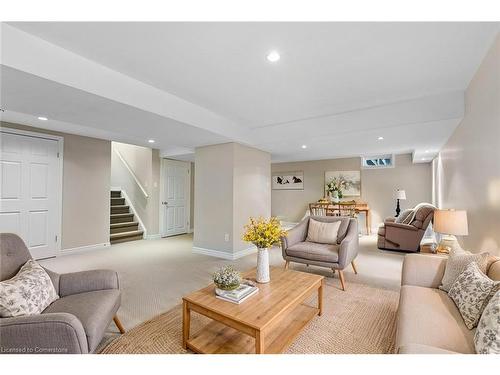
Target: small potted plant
x=263 y=234
x=227 y=278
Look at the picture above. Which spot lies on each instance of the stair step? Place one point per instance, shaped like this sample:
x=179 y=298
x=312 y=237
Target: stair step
x=117 y=201
x=122 y=209
x=124 y=227
x=126 y=236
x=126 y=239
x=116 y=194
x=121 y=218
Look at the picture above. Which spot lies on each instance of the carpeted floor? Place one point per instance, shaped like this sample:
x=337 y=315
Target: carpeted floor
x=358 y=321
x=155 y=274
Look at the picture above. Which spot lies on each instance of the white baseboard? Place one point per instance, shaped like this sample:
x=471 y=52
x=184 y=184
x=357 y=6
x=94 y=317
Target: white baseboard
x=152 y=236
x=81 y=249
x=224 y=254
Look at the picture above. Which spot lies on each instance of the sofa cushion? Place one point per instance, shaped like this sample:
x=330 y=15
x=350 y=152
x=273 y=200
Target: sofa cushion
x=456 y=264
x=322 y=232
x=315 y=251
x=487 y=337
x=94 y=310
x=29 y=292
x=381 y=230
x=405 y=217
x=422 y=212
x=428 y=316
x=422 y=349
x=471 y=293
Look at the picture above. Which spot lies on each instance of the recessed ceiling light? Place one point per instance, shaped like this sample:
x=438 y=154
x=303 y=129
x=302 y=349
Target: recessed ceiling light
x=304 y=146
x=273 y=56
x=41 y=118
x=423 y=159
x=426 y=151
x=151 y=141
x=380 y=138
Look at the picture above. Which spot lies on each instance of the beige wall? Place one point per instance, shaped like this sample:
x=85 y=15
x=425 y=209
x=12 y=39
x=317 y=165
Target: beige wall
x=251 y=189
x=145 y=164
x=85 y=200
x=232 y=183
x=377 y=186
x=468 y=170
x=213 y=194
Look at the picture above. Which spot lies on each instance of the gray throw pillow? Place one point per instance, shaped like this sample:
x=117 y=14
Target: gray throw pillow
x=487 y=336
x=456 y=264
x=471 y=292
x=27 y=293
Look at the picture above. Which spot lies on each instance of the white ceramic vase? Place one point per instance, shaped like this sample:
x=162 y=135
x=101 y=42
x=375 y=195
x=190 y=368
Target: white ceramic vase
x=263 y=266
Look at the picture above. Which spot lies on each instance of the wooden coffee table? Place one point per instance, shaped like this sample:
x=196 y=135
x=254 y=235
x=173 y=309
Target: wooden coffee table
x=267 y=322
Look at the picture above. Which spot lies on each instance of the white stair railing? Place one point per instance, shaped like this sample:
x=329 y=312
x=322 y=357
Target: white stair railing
x=143 y=191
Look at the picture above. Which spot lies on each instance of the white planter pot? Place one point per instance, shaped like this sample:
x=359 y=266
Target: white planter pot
x=263 y=266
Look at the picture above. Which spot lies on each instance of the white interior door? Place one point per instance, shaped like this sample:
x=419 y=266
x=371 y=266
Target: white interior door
x=176 y=195
x=30 y=191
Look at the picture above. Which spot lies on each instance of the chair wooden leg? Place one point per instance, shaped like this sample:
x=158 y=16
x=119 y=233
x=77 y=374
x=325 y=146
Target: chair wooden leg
x=287 y=264
x=119 y=324
x=354 y=267
x=342 y=281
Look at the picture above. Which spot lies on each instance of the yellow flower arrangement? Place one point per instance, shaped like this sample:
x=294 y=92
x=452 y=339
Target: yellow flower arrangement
x=263 y=233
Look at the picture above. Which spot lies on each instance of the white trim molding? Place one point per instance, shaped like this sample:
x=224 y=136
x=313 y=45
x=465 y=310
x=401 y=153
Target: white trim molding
x=152 y=236
x=223 y=254
x=82 y=249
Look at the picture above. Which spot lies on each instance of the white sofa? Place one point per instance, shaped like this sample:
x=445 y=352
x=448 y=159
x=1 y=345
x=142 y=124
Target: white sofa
x=428 y=320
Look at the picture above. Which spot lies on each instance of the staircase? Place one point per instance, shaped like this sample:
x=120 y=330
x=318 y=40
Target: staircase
x=123 y=227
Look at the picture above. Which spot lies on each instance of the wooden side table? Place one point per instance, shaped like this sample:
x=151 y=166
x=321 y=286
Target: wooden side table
x=428 y=248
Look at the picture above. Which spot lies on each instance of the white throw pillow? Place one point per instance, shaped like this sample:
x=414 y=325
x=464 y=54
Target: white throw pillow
x=27 y=293
x=321 y=232
x=471 y=292
x=456 y=264
x=487 y=336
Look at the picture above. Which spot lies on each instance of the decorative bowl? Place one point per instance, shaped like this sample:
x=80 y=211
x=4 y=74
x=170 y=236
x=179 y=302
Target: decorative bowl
x=227 y=278
x=227 y=287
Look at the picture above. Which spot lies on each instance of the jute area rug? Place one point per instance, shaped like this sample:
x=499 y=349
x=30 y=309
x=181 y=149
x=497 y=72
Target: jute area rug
x=360 y=320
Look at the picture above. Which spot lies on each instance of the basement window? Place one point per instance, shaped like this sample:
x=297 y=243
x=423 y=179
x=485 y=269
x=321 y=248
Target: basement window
x=377 y=161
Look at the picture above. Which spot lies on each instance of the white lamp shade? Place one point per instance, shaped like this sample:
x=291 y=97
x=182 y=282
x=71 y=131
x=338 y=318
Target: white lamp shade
x=451 y=222
x=400 y=194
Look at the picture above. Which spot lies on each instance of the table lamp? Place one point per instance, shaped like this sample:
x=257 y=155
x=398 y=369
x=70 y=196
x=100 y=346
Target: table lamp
x=451 y=223
x=400 y=194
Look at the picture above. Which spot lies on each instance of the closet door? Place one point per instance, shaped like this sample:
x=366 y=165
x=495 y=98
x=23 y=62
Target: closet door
x=29 y=191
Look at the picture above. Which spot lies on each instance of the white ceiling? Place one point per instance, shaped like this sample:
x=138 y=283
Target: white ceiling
x=337 y=87
x=25 y=93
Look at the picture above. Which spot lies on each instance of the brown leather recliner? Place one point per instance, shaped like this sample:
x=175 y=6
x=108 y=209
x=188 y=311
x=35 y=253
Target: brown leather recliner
x=395 y=234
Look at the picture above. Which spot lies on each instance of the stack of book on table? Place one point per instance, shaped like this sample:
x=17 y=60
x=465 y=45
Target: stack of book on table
x=237 y=295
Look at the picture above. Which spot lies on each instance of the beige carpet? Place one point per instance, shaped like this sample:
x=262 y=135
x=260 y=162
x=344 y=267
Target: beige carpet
x=155 y=274
x=358 y=321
